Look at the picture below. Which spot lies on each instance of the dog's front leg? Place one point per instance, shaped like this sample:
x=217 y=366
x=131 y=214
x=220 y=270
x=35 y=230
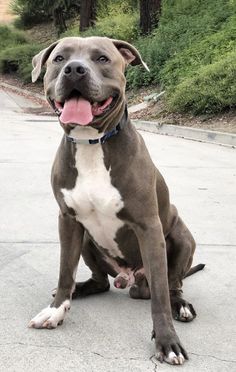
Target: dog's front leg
x=153 y=252
x=71 y=237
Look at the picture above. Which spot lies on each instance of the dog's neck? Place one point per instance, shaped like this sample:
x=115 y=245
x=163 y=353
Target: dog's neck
x=84 y=133
x=90 y=136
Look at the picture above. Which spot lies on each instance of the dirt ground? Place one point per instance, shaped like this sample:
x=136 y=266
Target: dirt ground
x=223 y=122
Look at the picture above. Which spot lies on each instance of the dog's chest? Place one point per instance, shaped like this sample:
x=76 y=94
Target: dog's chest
x=94 y=199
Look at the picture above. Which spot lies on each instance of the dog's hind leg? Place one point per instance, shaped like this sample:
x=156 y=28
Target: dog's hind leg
x=99 y=282
x=180 y=250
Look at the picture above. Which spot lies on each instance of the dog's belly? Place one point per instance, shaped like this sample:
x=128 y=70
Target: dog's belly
x=94 y=199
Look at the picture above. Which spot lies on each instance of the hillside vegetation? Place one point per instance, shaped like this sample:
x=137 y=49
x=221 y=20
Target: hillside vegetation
x=192 y=53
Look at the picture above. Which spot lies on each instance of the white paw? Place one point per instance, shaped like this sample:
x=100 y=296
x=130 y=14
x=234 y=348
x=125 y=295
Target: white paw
x=50 y=317
x=185 y=313
x=174 y=359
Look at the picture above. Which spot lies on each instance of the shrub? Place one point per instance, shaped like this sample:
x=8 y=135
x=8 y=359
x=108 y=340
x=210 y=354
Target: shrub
x=213 y=89
x=182 y=24
x=18 y=59
x=119 y=26
x=10 y=36
x=29 y=12
x=121 y=22
x=202 y=52
x=33 y=12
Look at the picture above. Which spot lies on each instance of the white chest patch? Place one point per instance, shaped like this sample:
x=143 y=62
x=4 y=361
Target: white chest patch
x=94 y=199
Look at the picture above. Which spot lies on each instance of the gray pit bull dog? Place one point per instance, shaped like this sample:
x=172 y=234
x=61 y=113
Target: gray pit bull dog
x=114 y=203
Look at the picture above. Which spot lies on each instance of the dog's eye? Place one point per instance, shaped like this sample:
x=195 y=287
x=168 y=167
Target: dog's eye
x=58 y=58
x=103 y=59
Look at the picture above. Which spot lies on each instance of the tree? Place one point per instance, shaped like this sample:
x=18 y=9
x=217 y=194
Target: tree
x=33 y=12
x=87 y=14
x=58 y=12
x=150 y=11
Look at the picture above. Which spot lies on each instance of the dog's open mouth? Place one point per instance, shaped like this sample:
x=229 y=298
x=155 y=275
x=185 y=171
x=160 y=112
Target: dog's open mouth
x=78 y=110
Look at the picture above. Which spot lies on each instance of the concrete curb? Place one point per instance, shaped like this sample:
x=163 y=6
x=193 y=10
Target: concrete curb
x=24 y=91
x=195 y=134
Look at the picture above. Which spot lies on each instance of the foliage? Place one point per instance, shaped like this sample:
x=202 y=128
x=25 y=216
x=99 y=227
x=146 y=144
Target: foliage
x=194 y=37
x=182 y=23
x=32 y=12
x=110 y=7
x=205 y=51
x=211 y=90
x=10 y=36
x=18 y=59
x=16 y=53
x=117 y=21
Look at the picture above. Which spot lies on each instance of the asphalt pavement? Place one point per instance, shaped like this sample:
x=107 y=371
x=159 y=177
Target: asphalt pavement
x=110 y=332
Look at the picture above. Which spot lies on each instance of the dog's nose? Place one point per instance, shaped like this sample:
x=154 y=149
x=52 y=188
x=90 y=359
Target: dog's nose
x=76 y=69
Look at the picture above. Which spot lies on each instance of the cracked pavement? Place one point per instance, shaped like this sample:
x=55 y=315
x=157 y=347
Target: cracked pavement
x=110 y=332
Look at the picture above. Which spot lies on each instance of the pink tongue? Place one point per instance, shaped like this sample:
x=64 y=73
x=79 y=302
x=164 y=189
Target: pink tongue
x=76 y=111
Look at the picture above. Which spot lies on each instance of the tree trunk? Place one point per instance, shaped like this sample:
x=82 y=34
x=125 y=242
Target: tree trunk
x=150 y=11
x=59 y=20
x=87 y=14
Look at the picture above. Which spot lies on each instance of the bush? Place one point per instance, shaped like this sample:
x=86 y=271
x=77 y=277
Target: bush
x=182 y=24
x=10 y=36
x=119 y=26
x=213 y=89
x=206 y=51
x=33 y=12
x=29 y=12
x=18 y=59
x=121 y=22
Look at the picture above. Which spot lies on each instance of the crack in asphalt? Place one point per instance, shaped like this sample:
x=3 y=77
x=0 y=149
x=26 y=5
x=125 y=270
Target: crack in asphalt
x=117 y=358
x=151 y=359
x=71 y=349
x=153 y=362
x=214 y=357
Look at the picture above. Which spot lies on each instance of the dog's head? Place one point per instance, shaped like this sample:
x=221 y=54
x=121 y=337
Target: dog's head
x=84 y=80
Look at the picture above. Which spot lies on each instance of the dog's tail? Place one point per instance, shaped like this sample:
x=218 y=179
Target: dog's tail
x=194 y=269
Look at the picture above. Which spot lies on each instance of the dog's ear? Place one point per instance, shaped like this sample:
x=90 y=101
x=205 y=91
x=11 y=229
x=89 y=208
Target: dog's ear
x=39 y=60
x=130 y=54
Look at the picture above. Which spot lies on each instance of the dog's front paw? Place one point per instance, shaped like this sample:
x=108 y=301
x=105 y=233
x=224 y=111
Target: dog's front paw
x=174 y=358
x=170 y=350
x=50 y=317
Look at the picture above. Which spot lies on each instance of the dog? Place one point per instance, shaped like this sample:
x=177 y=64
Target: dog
x=114 y=204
